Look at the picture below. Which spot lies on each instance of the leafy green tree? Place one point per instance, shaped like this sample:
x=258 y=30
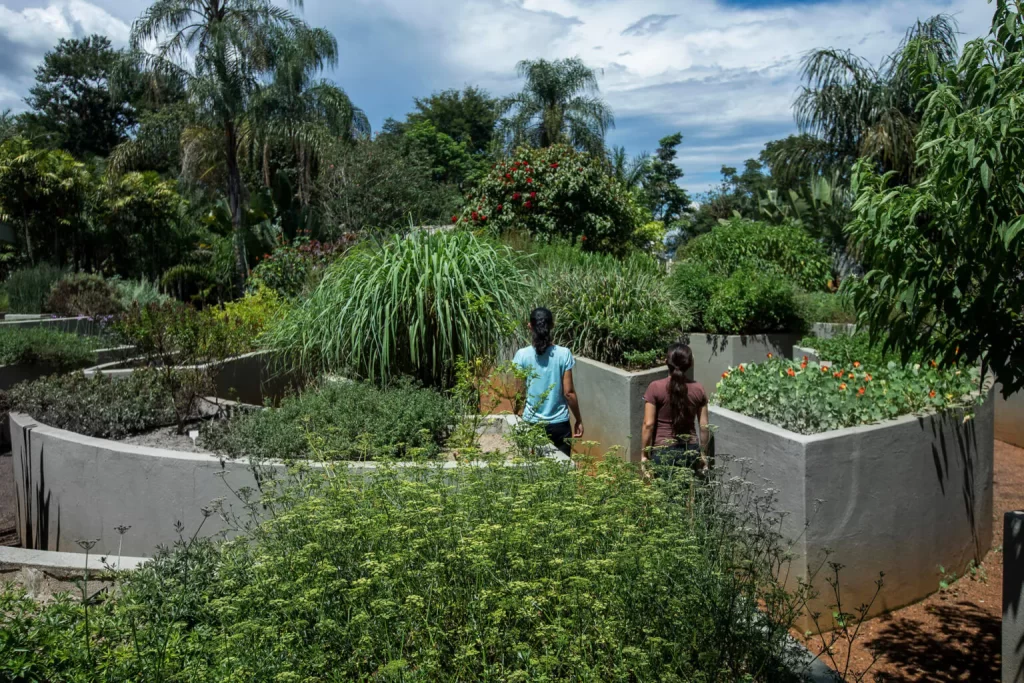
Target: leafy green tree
x=139 y=217
x=858 y=110
x=629 y=172
x=220 y=50
x=44 y=195
x=72 y=104
x=450 y=161
x=737 y=195
x=469 y=116
x=8 y=125
x=946 y=256
x=556 y=193
x=559 y=104
x=666 y=200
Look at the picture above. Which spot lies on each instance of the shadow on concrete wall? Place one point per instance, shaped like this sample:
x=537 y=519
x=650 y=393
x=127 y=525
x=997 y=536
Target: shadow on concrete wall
x=33 y=499
x=965 y=458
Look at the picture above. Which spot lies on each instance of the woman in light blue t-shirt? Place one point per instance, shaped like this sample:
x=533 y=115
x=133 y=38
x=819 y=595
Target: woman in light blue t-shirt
x=550 y=394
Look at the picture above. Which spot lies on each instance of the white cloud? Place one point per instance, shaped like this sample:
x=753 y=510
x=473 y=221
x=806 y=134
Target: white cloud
x=26 y=35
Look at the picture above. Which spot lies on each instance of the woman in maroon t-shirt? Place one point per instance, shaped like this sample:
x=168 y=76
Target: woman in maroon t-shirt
x=674 y=407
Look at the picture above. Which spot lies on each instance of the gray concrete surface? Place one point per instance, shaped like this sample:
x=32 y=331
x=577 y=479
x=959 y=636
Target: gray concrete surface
x=249 y=378
x=64 y=562
x=1010 y=418
x=901 y=497
x=8 y=536
x=829 y=330
x=714 y=354
x=14 y=374
x=1013 y=597
x=82 y=326
x=612 y=405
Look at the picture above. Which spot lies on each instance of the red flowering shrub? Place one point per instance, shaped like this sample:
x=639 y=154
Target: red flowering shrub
x=555 y=192
x=292 y=267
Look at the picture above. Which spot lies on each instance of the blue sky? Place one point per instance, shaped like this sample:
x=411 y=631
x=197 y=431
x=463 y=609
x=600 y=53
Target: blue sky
x=724 y=72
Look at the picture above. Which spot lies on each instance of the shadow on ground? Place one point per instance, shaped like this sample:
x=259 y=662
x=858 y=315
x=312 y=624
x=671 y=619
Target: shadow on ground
x=965 y=646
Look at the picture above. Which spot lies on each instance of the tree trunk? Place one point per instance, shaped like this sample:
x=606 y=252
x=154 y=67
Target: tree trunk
x=235 y=196
x=266 y=165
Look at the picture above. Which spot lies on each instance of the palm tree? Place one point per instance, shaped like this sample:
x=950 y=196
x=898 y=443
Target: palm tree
x=219 y=50
x=7 y=124
x=310 y=115
x=849 y=109
x=559 y=103
x=630 y=172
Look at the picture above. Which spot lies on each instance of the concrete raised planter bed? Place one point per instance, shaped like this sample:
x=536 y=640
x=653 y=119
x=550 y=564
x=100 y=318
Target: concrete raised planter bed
x=249 y=378
x=13 y=374
x=902 y=497
x=82 y=326
x=70 y=487
x=713 y=354
x=1010 y=418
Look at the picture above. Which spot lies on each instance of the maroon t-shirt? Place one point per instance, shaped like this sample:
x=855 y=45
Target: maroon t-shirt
x=657 y=395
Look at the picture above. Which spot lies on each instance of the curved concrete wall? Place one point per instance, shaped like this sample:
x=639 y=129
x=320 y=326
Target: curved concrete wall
x=901 y=497
x=82 y=326
x=249 y=378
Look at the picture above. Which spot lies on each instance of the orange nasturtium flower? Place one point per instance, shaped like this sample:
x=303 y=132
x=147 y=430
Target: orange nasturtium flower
x=851 y=376
x=931 y=363
x=805 y=359
x=842 y=387
x=824 y=369
x=743 y=368
x=770 y=356
x=725 y=375
x=856 y=363
x=837 y=375
x=931 y=394
x=867 y=378
x=803 y=366
x=790 y=372
x=860 y=392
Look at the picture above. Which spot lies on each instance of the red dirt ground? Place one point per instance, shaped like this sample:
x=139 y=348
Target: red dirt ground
x=954 y=635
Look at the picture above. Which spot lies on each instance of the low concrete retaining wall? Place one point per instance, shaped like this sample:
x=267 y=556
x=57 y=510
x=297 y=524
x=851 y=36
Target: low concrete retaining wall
x=901 y=497
x=713 y=354
x=14 y=374
x=1010 y=417
x=829 y=330
x=249 y=378
x=70 y=487
x=81 y=326
x=612 y=405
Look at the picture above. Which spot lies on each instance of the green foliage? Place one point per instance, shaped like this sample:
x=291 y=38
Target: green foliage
x=72 y=105
x=944 y=256
x=341 y=420
x=610 y=311
x=468 y=117
x=381 y=186
x=824 y=307
x=846 y=349
x=83 y=294
x=412 y=306
x=450 y=161
x=752 y=302
x=531 y=573
x=141 y=292
x=665 y=199
x=558 y=105
x=736 y=196
x=43 y=195
x=29 y=288
x=809 y=398
x=744 y=244
x=692 y=284
x=97 y=406
x=293 y=269
x=556 y=193
x=42 y=346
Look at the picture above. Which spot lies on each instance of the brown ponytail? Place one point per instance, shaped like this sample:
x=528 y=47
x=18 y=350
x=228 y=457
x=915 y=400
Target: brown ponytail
x=680 y=360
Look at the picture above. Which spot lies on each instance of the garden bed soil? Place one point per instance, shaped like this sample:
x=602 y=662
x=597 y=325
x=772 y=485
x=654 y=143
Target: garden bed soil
x=169 y=438
x=954 y=635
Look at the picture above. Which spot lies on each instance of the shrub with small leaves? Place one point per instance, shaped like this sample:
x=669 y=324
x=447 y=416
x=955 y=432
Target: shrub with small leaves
x=83 y=294
x=343 y=421
x=97 y=406
x=42 y=346
x=292 y=269
x=752 y=302
x=28 y=288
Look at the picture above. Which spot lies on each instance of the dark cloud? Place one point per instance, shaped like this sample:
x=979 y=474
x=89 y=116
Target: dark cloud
x=649 y=25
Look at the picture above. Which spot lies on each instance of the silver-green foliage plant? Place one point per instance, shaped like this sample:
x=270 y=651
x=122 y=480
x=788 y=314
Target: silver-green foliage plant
x=412 y=306
x=809 y=398
x=612 y=311
x=536 y=572
x=944 y=255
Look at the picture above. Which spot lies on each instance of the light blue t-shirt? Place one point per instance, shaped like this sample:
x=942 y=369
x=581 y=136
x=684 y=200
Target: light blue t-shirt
x=544 y=399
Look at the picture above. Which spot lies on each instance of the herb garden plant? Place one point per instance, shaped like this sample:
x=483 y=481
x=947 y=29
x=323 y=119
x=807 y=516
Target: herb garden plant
x=42 y=346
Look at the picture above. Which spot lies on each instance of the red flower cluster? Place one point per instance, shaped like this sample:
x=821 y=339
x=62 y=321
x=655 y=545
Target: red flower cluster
x=516 y=196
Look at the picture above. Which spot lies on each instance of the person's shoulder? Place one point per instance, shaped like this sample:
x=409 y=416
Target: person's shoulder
x=696 y=389
x=660 y=384
x=522 y=355
x=564 y=354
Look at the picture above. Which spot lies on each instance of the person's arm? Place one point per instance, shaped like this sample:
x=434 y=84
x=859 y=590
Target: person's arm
x=569 y=391
x=705 y=436
x=647 y=435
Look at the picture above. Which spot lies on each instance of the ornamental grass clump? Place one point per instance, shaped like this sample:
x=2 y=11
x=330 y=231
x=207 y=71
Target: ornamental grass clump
x=809 y=398
x=536 y=572
x=413 y=306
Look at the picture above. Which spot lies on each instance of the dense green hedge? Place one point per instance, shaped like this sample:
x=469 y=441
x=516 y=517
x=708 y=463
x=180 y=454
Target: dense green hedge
x=42 y=346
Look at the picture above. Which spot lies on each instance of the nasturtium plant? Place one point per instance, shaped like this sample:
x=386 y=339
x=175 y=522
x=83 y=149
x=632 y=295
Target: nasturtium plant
x=809 y=397
x=556 y=192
